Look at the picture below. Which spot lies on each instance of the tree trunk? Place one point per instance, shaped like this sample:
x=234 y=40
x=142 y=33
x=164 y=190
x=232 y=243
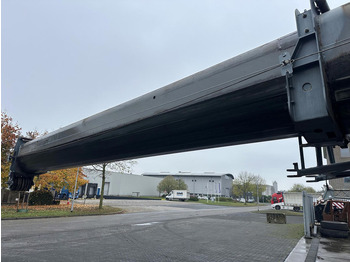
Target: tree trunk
x=103 y=184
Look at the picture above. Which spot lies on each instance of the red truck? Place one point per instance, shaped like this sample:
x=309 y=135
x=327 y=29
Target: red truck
x=277 y=198
x=290 y=200
x=287 y=200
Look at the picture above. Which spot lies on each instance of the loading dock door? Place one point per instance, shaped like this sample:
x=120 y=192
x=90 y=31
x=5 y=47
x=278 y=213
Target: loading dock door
x=92 y=190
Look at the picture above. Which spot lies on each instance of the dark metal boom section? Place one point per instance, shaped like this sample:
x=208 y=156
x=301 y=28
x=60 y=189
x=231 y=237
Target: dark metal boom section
x=297 y=85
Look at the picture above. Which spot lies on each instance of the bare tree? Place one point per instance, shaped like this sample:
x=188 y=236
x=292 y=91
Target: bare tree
x=243 y=184
x=260 y=186
x=247 y=182
x=121 y=166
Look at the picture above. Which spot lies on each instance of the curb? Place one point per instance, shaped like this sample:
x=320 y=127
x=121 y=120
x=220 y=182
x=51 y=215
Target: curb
x=305 y=250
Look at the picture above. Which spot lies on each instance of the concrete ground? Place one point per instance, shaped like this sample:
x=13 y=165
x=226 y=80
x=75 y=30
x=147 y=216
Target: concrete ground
x=168 y=231
x=163 y=231
x=321 y=249
x=317 y=249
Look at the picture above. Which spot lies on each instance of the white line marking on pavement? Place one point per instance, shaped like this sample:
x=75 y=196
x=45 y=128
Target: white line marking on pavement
x=147 y=224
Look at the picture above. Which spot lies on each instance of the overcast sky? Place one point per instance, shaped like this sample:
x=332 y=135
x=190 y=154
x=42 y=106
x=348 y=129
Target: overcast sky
x=65 y=60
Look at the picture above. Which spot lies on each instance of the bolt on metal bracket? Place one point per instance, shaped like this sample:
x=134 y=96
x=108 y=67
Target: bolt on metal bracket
x=286 y=63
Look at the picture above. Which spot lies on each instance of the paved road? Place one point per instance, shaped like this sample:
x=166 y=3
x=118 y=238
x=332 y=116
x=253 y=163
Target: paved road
x=178 y=232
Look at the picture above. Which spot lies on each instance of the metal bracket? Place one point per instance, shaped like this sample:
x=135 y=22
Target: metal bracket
x=308 y=99
x=309 y=106
x=320 y=172
x=323 y=172
x=17 y=181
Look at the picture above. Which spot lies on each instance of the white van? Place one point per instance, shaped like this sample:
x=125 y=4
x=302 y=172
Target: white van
x=182 y=195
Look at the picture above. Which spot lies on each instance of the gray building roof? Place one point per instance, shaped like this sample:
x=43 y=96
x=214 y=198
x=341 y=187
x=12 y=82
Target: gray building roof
x=187 y=174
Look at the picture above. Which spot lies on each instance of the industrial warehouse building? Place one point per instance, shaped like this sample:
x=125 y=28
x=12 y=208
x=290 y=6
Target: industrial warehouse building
x=207 y=183
x=118 y=184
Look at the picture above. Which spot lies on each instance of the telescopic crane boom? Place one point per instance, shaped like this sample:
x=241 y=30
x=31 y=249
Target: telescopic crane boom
x=297 y=85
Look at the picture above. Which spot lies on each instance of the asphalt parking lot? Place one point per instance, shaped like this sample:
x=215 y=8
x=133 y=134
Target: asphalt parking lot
x=168 y=231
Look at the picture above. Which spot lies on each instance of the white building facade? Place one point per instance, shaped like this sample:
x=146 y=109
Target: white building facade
x=118 y=184
x=269 y=190
x=207 y=183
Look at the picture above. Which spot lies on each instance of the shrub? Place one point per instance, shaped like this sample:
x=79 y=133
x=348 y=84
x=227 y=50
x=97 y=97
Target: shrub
x=193 y=198
x=40 y=197
x=225 y=199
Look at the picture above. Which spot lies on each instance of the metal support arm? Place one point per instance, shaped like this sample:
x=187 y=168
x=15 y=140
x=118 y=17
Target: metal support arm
x=309 y=96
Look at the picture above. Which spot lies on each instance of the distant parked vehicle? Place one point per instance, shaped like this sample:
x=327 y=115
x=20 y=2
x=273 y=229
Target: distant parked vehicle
x=203 y=197
x=182 y=195
x=65 y=194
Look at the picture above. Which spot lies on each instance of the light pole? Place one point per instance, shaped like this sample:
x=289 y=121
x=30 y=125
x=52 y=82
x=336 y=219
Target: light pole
x=85 y=194
x=194 y=186
x=207 y=192
x=257 y=194
x=75 y=188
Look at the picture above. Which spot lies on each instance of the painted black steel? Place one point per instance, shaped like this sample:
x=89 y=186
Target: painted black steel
x=322 y=5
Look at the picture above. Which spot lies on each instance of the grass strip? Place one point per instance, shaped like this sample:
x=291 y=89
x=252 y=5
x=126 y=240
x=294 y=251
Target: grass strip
x=289 y=231
x=63 y=210
x=286 y=212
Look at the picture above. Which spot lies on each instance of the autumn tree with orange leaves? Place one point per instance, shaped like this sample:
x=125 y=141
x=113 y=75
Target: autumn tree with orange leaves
x=61 y=178
x=10 y=131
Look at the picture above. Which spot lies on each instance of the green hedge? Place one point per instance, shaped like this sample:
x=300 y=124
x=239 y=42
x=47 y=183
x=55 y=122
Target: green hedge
x=225 y=199
x=193 y=198
x=40 y=197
